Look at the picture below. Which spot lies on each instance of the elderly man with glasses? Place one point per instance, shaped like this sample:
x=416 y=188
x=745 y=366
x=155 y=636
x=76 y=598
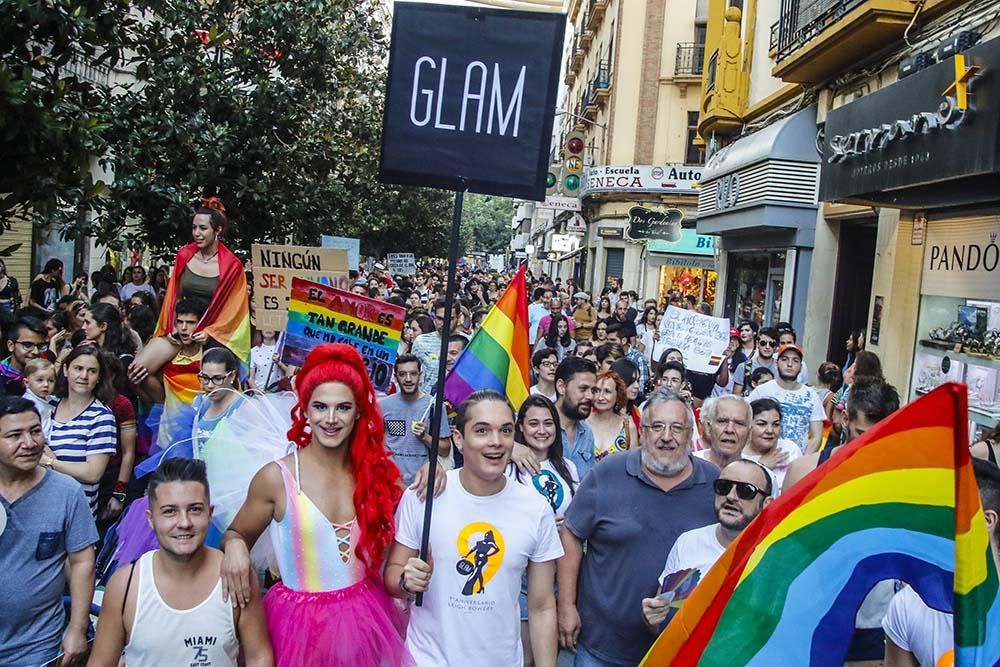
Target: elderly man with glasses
x=628 y=510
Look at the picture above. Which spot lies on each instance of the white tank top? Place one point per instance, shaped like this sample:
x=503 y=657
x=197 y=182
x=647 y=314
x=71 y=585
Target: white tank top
x=203 y=636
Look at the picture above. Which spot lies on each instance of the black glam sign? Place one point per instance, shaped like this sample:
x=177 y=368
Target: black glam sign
x=470 y=98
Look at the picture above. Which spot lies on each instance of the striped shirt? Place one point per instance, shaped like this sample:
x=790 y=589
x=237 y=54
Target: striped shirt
x=91 y=433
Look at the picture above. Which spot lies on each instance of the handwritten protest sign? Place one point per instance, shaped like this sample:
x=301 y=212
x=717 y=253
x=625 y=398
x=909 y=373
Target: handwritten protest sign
x=702 y=339
x=274 y=266
x=401 y=263
x=321 y=314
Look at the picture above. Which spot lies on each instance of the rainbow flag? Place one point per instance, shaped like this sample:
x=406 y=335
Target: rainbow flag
x=499 y=355
x=900 y=502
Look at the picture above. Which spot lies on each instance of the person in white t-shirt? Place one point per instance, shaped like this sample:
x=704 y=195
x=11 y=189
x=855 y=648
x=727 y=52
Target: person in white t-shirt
x=915 y=632
x=487 y=531
x=766 y=446
x=265 y=368
x=742 y=491
x=537 y=428
x=802 y=412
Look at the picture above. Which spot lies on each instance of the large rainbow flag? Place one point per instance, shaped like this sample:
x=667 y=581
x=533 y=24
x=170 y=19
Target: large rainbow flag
x=499 y=355
x=900 y=502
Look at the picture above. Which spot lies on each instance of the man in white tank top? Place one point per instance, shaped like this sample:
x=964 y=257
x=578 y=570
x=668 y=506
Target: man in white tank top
x=167 y=607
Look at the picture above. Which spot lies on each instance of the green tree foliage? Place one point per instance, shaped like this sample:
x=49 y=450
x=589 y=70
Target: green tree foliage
x=276 y=107
x=486 y=223
x=54 y=58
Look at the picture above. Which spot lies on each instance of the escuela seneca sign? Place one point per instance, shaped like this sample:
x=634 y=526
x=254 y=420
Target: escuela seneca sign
x=470 y=98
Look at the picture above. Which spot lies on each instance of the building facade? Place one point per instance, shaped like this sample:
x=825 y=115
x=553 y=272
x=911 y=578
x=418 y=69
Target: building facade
x=633 y=78
x=869 y=105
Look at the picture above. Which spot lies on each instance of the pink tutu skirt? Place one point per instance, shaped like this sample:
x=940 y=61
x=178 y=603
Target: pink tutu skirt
x=351 y=627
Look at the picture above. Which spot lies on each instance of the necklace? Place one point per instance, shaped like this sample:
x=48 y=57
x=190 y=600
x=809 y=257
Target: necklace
x=206 y=260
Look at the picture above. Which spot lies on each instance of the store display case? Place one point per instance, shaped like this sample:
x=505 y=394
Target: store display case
x=958 y=340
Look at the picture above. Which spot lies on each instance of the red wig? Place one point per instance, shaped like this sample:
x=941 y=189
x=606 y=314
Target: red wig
x=377 y=487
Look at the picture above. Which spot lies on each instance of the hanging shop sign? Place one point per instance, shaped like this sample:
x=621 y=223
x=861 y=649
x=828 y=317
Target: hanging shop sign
x=560 y=203
x=470 y=98
x=644 y=224
x=565 y=242
x=576 y=224
x=690 y=243
x=668 y=178
x=929 y=140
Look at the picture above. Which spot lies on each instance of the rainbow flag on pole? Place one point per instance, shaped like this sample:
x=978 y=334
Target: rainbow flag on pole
x=900 y=502
x=499 y=355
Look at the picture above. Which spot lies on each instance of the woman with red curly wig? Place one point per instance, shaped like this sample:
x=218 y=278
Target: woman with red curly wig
x=330 y=508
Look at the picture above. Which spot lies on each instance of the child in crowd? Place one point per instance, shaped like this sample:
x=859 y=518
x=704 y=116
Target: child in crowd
x=265 y=368
x=760 y=376
x=39 y=381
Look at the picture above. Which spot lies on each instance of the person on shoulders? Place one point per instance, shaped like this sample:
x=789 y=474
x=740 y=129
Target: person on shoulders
x=742 y=491
x=168 y=606
x=47 y=544
x=503 y=530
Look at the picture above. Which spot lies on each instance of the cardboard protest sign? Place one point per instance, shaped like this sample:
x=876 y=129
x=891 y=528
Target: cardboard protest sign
x=351 y=245
x=702 y=339
x=274 y=267
x=320 y=314
x=401 y=263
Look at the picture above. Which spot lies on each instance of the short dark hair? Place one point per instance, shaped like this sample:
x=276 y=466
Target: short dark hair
x=671 y=366
x=876 y=400
x=221 y=355
x=615 y=328
x=406 y=359
x=190 y=306
x=539 y=293
x=52 y=265
x=765 y=405
x=32 y=324
x=760 y=372
x=769 y=331
x=988 y=479
x=16 y=405
x=177 y=469
x=571 y=366
x=459 y=338
x=541 y=354
x=462 y=412
x=608 y=349
x=768 y=483
x=103 y=294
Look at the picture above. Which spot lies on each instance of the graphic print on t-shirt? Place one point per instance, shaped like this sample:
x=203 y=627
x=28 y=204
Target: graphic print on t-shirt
x=549 y=486
x=481 y=551
x=395 y=427
x=199 y=646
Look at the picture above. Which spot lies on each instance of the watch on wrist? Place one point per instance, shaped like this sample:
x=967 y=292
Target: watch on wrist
x=402 y=585
x=48 y=461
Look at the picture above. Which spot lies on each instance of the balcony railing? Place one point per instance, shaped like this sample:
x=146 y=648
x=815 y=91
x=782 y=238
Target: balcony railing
x=690 y=59
x=713 y=66
x=802 y=20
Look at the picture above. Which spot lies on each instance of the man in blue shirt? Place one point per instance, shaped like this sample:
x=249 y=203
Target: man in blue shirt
x=44 y=523
x=629 y=510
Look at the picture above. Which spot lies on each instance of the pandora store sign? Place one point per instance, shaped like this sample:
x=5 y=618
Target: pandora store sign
x=927 y=141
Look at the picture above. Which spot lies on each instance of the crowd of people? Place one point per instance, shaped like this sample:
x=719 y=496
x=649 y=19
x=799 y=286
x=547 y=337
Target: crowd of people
x=570 y=525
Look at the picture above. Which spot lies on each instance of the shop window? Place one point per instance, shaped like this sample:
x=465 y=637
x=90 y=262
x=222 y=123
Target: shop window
x=682 y=281
x=695 y=153
x=755 y=287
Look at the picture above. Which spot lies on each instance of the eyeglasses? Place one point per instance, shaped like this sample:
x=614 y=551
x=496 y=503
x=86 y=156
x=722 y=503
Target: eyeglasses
x=548 y=364
x=744 y=490
x=765 y=343
x=213 y=379
x=31 y=347
x=657 y=428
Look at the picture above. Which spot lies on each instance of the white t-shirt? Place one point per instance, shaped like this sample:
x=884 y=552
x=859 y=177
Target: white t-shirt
x=799 y=408
x=777 y=474
x=266 y=370
x=536 y=312
x=481 y=547
x=915 y=627
x=535 y=391
x=554 y=487
x=698 y=549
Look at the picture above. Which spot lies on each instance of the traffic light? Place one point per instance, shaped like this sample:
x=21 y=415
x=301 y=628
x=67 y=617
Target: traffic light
x=552 y=179
x=572 y=163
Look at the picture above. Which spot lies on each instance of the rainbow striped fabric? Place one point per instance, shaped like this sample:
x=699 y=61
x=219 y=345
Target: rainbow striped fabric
x=499 y=355
x=900 y=502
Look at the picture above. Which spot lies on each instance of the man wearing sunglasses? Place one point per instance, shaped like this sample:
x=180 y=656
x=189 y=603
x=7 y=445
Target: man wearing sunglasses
x=27 y=340
x=742 y=491
x=764 y=357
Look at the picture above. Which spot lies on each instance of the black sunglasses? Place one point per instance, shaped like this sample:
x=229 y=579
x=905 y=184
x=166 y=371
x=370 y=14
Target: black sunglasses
x=744 y=490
